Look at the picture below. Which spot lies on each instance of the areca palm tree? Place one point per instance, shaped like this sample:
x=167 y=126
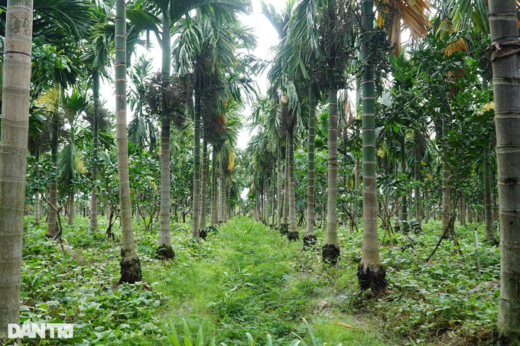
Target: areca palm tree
x=504 y=27
x=130 y=264
x=371 y=273
x=13 y=158
x=208 y=46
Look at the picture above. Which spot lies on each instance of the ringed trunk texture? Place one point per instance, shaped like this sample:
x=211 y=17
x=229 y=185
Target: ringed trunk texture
x=214 y=202
x=93 y=197
x=417 y=191
x=445 y=184
x=279 y=188
x=488 y=211
x=330 y=252
x=371 y=274
x=196 y=169
x=13 y=155
x=221 y=190
x=165 y=250
x=292 y=234
x=202 y=217
x=130 y=265
x=286 y=191
x=506 y=89
x=309 y=238
x=53 y=186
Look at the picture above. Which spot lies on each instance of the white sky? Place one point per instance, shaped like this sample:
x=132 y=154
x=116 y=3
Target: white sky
x=266 y=38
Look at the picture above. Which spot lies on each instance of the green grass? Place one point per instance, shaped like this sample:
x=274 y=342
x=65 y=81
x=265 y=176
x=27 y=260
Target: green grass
x=247 y=282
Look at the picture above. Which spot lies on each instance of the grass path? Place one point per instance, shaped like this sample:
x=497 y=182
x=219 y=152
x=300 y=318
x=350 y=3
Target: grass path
x=249 y=279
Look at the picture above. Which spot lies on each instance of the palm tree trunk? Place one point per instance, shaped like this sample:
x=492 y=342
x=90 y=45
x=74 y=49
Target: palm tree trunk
x=93 y=197
x=445 y=183
x=292 y=234
x=503 y=24
x=71 y=207
x=488 y=212
x=417 y=192
x=273 y=204
x=196 y=169
x=137 y=201
x=37 y=207
x=462 y=210
x=404 y=206
x=202 y=218
x=130 y=265
x=53 y=186
x=309 y=239
x=279 y=188
x=13 y=155
x=214 y=182
x=221 y=188
x=285 y=224
x=356 y=185
x=330 y=252
x=165 y=250
x=371 y=274
x=426 y=206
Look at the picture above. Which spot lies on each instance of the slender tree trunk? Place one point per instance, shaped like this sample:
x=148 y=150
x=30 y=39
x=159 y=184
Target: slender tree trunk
x=221 y=189
x=285 y=223
x=292 y=234
x=417 y=191
x=13 y=155
x=356 y=185
x=214 y=183
x=462 y=209
x=426 y=207
x=488 y=212
x=309 y=239
x=130 y=265
x=93 y=198
x=202 y=218
x=445 y=183
x=279 y=188
x=404 y=205
x=196 y=169
x=273 y=198
x=165 y=250
x=53 y=186
x=37 y=207
x=506 y=89
x=137 y=201
x=330 y=252
x=71 y=207
x=371 y=274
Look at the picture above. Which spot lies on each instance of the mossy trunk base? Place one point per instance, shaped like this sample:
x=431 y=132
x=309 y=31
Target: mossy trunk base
x=284 y=228
x=203 y=234
x=309 y=241
x=330 y=254
x=373 y=277
x=293 y=236
x=130 y=270
x=499 y=339
x=164 y=253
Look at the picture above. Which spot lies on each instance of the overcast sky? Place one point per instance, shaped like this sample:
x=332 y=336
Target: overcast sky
x=266 y=38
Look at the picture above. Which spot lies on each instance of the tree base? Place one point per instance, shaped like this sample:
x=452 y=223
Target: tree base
x=293 y=236
x=330 y=254
x=284 y=229
x=309 y=241
x=164 y=253
x=499 y=339
x=373 y=277
x=203 y=234
x=130 y=270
